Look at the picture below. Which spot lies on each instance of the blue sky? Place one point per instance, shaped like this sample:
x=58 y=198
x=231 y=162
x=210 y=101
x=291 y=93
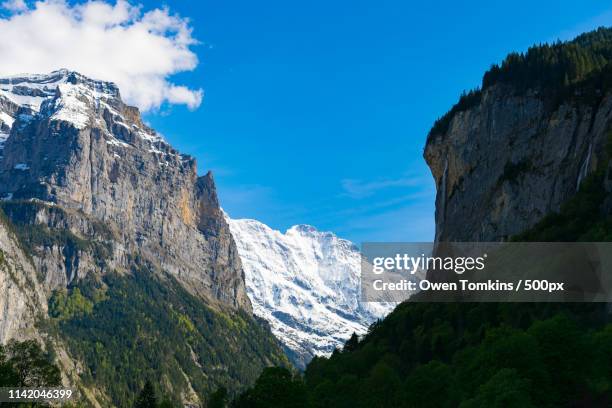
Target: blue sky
x=317 y=112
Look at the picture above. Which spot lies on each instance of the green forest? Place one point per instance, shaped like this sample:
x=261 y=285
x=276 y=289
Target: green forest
x=450 y=355
x=25 y=364
x=125 y=329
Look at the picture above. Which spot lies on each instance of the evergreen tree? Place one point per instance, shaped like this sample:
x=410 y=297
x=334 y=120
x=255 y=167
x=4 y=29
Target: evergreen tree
x=506 y=389
x=352 y=343
x=8 y=376
x=166 y=403
x=218 y=399
x=276 y=388
x=147 y=397
x=557 y=70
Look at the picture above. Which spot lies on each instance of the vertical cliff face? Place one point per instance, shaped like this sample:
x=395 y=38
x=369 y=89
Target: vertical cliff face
x=74 y=145
x=512 y=157
x=22 y=298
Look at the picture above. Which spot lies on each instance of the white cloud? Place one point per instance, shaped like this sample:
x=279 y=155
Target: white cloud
x=15 y=5
x=114 y=42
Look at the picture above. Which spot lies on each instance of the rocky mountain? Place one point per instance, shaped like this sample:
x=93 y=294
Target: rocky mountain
x=96 y=201
x=507 y=155
x=76 y=145
x=509 y=160
x=305 y=283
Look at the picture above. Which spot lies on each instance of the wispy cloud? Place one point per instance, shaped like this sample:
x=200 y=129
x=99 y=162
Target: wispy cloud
x=365 y=188
x=405 y=217
x=409 y=223
x=114 y=42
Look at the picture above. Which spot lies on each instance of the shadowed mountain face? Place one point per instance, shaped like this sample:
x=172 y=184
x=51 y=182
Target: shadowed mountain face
x=114 y=252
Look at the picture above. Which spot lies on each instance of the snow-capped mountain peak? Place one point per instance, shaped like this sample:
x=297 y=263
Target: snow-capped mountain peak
x=73 y=99
x=305 y=283
x=66 y=96
x=31 y=90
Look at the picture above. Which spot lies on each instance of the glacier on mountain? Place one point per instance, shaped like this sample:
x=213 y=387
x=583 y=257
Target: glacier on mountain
x=305 y=283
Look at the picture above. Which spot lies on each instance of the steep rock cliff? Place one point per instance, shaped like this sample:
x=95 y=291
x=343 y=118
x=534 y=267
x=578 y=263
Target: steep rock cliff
x=22 y=299
x=512 y=158
x=515 y=150
x=75 y=145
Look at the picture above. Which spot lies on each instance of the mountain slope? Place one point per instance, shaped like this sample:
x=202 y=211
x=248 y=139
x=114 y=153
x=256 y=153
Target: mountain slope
x=123 y=238
x=305 y=283
x=129 y=328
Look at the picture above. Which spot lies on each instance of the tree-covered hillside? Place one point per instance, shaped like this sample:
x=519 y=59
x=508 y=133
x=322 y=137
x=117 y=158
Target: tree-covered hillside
x=472 y=355
x=25 y=364
x=141 y=325
x=127 y=329
x=579 y=68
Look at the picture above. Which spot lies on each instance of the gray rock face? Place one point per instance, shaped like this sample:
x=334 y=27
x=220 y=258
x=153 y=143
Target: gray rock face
x=508 y=161
x=22 y=298
x=85 y=158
